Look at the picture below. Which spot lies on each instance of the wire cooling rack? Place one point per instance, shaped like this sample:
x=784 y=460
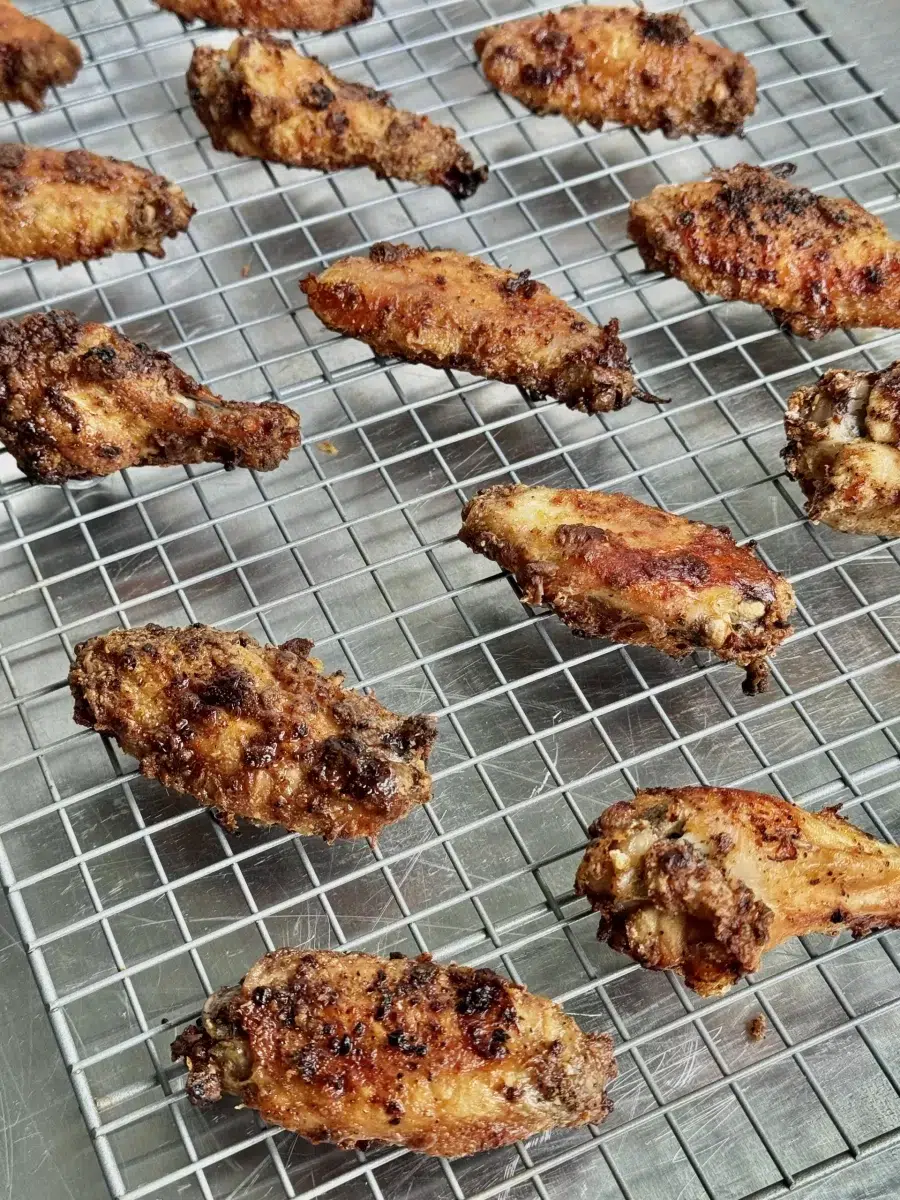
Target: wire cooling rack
x=134 y=905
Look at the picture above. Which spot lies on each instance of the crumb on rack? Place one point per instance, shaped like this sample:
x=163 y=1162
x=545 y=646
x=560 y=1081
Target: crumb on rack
x=756 y=1028
x=327 y=447
x=245 y=270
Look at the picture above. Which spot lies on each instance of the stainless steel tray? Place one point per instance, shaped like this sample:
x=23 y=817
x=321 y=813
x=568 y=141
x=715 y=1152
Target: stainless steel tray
x=133 y=904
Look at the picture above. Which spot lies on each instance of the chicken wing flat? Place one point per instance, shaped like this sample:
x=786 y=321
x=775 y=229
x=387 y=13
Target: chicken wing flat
x=612 y=567
x=816 y=263
x=261 y=99
x=354 y=1049
x=844 y=449
x=81 y=401
x=703 y=881
x=595 y=64
x=447 y=309
x=72 y=205
x=253 y=731
x=33 y=57
x=319 y=15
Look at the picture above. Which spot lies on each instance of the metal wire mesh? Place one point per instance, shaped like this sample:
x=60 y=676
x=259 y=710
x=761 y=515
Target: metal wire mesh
x=134 y=904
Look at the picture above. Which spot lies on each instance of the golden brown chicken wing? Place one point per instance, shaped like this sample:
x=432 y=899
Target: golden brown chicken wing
x=262 y=99
x=72 y=205
x=254 y=731
x=816 y=263
x=447 y=309
x=354 y=1049
x=80 y=401
x=703 y=881
x=33 y=57
x=601 y=64
x=612 y=567
x=844 y=449
x=319 y=15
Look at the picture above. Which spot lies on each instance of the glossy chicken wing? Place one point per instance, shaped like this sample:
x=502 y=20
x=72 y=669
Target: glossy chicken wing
x=612 y=567
x=599 y=64
x=33 y=57
x=79 y=401
x=354 y=1049
x=816 y=263
x=253 y=731
x=262 y=99
x=844 y=449
x=703 y=881
x=319 y=15
x=447 y=309
x=72 y=205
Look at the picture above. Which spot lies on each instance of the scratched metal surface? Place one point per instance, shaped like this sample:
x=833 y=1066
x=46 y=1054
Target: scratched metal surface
x=132 y=905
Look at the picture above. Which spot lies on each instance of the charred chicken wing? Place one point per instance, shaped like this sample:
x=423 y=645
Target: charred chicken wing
x=72 y=205
x=703 y=881
x=261 y=99
x=351 y=1049
x=612 y=567
x=447 y=309
x=319 y=15
x=33 y=57
x=816 y=263
x=80 y=401
x=620 y=64
x=844 y=449
x=253 y=731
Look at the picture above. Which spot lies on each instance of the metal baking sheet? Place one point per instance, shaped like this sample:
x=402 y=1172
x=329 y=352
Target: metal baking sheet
x=133 y=904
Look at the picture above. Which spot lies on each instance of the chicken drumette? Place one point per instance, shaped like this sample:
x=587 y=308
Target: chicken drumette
x=253 y=731
x=33 y=57
x=351 y=1049
x=80 y=401
x=319 y=15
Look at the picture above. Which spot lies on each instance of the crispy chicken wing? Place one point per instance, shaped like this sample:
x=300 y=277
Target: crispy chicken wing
x=72 y=205
x=254 y=731
x=703 y=881
x=620 y=64
x=354 y=1049
x=612 y=567
x=262 y=99
x=33 y=57
x=447 y=309
x=816 y=263
x=80 y=401
x=319 y=15
x=844 y=449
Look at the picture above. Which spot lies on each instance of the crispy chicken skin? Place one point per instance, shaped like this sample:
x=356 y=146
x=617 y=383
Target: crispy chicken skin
x=816 y=263
x=33 y=57
x=72 y=205
x=318 y=15
x=447 y=309
x=253 y=731
x=612 y=567
x=353 y=1049
x=598 y=64
x=261 y=99
x=81 y=401
x=844 y=449
x=703 y=881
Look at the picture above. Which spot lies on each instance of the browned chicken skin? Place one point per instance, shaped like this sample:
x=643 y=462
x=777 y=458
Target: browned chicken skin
x=844 y=449
x=816 y=263
x=261 y=99
x=72 y=205
x=354 y=1049
x=81 y=401
x=33 y=57
x=447 y=309
x=319 y=15
x=253 y=731
x=703 y=881
x=612 y=567
x=601 y=64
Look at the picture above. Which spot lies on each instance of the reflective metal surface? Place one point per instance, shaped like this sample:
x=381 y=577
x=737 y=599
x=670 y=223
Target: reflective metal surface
x=133 y=905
